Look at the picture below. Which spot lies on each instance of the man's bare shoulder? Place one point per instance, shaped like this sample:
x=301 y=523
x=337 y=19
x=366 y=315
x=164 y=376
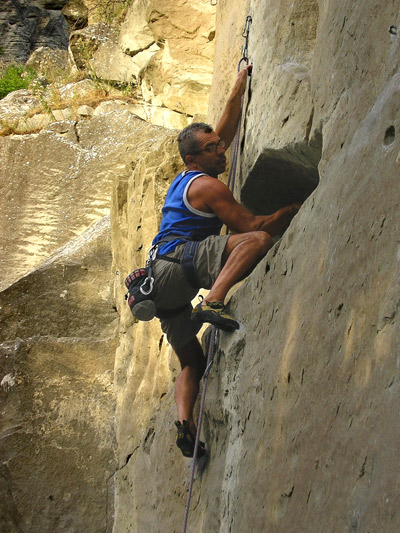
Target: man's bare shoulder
x=205 y=191
x=208 y=183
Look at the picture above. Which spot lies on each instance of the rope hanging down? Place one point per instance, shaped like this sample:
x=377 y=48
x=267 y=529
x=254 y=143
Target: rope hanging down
x=210 y=359
x=214 y=332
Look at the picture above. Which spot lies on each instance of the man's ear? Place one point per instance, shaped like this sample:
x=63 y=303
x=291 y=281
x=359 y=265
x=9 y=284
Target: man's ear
x=189 y=160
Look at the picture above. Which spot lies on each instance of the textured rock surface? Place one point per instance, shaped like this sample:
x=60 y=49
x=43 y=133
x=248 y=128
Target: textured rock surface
x=49 y=62
x=59 y=322
x=179 y=74
x=57 y=352
x=301 y=410
x=76 y=14
x=57 y=183
x=144 y=362
x=165 y=48
x=26 y=25
x=300 y=420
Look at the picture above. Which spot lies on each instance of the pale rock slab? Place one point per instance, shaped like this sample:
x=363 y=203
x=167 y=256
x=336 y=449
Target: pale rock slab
x=166 y=49
x=57 y=183
x=56 y=365
x=110 y=63
x=16 y=104
x=79 y=89
x=49 y=62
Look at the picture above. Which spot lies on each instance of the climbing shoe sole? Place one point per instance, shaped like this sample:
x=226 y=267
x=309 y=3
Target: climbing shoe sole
x=214 y=313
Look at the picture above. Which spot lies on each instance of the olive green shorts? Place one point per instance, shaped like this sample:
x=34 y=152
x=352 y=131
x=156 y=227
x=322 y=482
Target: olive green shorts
x=172 y=290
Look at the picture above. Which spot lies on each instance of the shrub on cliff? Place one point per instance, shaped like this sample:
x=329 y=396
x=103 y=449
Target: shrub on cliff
x=14 y=77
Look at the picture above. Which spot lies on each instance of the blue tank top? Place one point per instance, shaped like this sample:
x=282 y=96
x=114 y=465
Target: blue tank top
x=180 y=218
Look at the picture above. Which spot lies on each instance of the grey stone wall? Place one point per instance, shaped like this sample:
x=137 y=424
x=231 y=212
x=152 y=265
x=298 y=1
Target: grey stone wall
x=26 y=25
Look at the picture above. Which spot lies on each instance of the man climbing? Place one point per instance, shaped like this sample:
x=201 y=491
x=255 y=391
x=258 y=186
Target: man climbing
x=196 y=207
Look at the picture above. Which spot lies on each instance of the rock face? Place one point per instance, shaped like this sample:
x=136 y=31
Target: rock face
x=300 y=418
x=163 y=48
x=180 y=35
x=49 y=200
x=59 y=326
x=58 y=437
x=301 y=413
x=27 y=25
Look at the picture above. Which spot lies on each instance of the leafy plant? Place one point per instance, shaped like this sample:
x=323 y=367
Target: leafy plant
x=15 y=77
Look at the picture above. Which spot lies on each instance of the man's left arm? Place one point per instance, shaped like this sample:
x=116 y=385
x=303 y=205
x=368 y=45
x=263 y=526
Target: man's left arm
x=226 y=127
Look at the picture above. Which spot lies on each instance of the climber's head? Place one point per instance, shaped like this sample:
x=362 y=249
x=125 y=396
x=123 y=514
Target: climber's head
x=202 y=149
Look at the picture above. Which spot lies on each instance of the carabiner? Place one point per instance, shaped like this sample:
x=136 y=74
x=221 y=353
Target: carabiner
x=246 y=29
x=245 y=34
x=152 y=253
x=144 y=291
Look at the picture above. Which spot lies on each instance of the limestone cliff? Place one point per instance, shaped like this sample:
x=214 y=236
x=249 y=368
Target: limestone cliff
x=61 y=335
x=163 y=48
x=300 y=420
x=301 y=411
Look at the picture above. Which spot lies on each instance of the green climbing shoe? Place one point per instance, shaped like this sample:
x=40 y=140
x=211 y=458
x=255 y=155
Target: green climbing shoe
x=185 y=440
x=214 y=313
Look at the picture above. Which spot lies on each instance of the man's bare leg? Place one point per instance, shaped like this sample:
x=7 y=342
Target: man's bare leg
x=242 y=252
x=193 y=364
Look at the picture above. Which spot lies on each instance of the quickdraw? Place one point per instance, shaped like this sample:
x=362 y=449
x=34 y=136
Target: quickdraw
x=245 y=59
x=245 y=34
x=149 y=280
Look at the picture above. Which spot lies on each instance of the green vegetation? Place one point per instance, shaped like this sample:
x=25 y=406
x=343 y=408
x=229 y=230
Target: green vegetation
x=14 y=77
x=112 y=11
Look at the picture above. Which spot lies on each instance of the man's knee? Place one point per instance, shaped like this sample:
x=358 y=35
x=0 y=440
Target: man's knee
x=259 y=241
x=191 y=354
x=264 y=240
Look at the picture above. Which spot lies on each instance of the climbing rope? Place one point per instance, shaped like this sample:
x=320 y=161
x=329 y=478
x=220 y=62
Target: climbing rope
x=243 y=59
x=214 y=331
x=210 y=359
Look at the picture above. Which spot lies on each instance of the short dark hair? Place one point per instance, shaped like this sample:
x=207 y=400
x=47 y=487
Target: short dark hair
x=187 y=139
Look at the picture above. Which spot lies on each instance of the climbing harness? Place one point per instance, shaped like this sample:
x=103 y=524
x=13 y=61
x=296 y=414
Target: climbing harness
x=245 y=59
x=140 y=282
x=213 y=341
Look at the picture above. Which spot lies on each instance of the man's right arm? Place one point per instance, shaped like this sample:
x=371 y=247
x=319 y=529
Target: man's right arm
x=219 y=200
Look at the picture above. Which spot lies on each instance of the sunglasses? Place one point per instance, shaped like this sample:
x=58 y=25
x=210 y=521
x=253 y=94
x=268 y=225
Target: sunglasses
x=210 y=148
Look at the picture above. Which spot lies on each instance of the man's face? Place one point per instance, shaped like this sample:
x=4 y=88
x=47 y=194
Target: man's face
x=211 y=163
